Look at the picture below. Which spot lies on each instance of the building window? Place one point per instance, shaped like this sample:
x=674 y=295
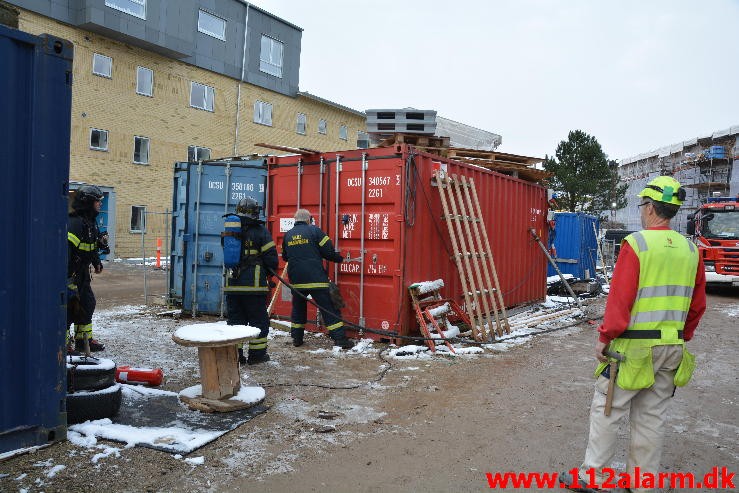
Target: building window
x=362 y=140
x=343 y=132
x=300 y=124
x=138 y=218
x=322 y=127
x=144 y=81
x=102 y=65
x=201 y=96
x=98 y=139
x=136 y=8
x=262 y=113
x=140 y=150
x=211 y=25
x=270 y=58
x=195 y=154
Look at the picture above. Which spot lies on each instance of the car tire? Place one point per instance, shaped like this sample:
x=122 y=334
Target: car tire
x=85 y=373
x=96 y=404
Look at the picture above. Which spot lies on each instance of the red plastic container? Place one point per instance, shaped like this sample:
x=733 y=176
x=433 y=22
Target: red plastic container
x=403 y=236
x=146 y=376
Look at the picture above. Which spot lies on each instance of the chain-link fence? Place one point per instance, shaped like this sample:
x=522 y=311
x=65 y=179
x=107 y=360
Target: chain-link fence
x=155 y=245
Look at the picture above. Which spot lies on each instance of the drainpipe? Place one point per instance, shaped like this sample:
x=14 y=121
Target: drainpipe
x=243 y=74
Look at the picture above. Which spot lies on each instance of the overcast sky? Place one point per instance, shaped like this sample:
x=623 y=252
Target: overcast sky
x=636 y=74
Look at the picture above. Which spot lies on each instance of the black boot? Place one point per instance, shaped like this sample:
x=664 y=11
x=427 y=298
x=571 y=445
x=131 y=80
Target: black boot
x=95 y=345
x=256 y=358
x=343 y=342
x=297 y=336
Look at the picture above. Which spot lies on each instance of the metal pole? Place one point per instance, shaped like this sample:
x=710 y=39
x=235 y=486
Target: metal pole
x=362 y=252
x=322 y=171
x=142 y=219
x=167 y=225
x=194 y=285
x=225 y=211
x=336 y=214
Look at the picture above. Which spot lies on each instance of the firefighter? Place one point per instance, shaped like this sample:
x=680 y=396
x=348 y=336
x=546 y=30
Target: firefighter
x=304 y=247
x=248 y=286
x=84 y=241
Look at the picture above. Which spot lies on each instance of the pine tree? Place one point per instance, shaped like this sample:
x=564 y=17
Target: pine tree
x=583 y=176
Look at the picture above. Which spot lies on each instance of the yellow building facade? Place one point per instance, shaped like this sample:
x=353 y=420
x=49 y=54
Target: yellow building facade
x=126 y=141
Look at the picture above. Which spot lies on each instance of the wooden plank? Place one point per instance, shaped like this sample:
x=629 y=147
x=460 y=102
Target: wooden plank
x=465 y=272
x=482 y=289
x=208 y=360
x=229 y=381
x=488 y=251
x=293 y=150
x=455 y=248
x=478 y=224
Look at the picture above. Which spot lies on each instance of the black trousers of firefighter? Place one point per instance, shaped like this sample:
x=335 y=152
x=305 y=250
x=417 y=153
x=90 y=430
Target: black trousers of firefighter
x=250 y=309
x=331 y=315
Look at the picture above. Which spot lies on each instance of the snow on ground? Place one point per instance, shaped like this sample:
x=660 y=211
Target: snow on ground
x=137 y=335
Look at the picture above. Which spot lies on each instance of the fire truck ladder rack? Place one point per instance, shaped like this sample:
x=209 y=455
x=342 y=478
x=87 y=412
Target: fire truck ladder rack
x=432 y=313
x=473 y=257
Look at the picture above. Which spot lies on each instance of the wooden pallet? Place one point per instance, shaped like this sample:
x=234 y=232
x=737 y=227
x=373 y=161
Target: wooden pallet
x=432 y=311
x=473 y=257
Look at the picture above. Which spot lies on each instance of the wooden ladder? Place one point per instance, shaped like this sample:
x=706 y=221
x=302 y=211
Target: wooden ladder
x=432 y=312
x=472 y=255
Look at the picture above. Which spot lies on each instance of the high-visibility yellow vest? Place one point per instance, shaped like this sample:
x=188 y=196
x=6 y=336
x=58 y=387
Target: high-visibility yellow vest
x=667 y=266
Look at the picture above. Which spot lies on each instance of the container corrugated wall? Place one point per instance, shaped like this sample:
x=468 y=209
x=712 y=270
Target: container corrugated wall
x=203 y=193
x=37 y=95
x=403 y=237
x=576 y=244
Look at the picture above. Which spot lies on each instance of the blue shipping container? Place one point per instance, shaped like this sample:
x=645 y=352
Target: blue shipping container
x=35 y=123
x=576 y=244
x=203 y=193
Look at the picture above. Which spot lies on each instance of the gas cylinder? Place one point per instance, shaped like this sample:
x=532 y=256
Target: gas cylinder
x=231 y=241
x=146 y=376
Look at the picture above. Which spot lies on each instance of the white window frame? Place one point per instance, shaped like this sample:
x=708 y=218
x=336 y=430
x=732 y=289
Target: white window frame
x=205 y=15
x=105 y=132
x=148 y=149
x=322 y=126
x=301 y=124
x=121 y=5
x=140 y=218
x=195 y=151
x=268 y=62
x=208 y=91
x=102 y=58
x=140 y=69
x=261 y=115
x=343 y=132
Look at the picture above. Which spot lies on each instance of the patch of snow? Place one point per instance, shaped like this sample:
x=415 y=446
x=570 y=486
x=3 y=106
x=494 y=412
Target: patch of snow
x=553 y=279
x=54 y=470
x=195 y=461
x=215 y=332
x=248 y=395
x=140 y=391
x=427 y=286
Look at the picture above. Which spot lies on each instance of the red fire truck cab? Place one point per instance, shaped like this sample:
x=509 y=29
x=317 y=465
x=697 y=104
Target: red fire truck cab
x=715 y=230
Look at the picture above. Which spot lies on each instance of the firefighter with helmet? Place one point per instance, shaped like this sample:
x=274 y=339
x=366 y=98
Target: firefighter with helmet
x=247 y=288
x=85 y=242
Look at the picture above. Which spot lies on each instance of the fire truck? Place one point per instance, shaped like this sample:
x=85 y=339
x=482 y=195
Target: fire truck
x=714 y=228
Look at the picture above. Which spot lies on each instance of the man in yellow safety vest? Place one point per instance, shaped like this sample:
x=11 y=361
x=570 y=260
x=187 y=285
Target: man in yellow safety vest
x=656 y=300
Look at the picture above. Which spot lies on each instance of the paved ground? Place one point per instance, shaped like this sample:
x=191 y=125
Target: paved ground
x=436 y=424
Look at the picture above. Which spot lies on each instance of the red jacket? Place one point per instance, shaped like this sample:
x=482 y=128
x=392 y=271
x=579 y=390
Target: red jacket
x=624 y=286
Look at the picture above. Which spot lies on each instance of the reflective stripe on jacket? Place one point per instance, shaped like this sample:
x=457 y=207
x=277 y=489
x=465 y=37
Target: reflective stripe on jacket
x=667 y=270
x=305 y=247
x=259 y=256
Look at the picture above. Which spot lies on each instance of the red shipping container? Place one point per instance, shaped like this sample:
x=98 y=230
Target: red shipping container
x=403 y=236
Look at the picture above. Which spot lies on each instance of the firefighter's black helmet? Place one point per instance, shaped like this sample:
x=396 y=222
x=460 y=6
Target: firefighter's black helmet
x=248 y=207
x=86 y=196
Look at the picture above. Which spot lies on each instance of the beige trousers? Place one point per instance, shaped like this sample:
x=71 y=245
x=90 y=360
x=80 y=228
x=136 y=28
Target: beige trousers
x=646 y=409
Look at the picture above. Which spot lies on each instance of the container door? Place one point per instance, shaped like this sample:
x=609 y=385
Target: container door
x=179 y=231
x=214 y=189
